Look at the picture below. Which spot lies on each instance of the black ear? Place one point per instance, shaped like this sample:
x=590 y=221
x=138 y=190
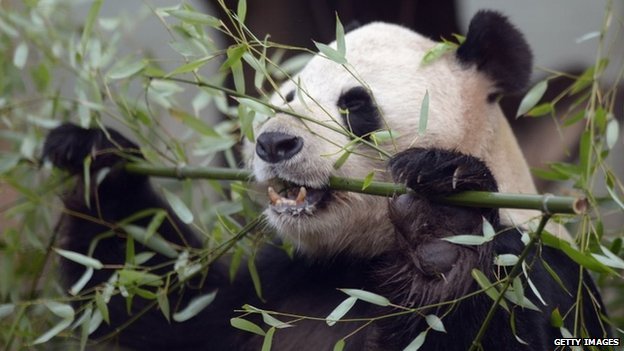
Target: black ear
x=499 y=50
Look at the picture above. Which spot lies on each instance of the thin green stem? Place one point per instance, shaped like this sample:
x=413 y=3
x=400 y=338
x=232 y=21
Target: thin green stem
x=547 y=203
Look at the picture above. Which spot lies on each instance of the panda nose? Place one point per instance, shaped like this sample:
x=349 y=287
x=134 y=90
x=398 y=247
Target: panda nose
x=274 y=147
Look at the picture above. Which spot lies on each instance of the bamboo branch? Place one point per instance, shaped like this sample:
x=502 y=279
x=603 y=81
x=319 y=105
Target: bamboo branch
x=546 y=203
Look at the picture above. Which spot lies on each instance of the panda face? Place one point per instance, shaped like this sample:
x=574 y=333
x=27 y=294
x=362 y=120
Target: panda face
x=381 y=88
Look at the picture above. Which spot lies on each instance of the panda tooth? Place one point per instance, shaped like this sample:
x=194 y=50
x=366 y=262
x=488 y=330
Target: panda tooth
x=301 y=196
x=274 y=197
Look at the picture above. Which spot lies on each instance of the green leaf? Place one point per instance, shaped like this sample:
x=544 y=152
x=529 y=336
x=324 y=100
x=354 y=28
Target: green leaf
x=467 y=239
x=368 y=180
x=340 y=40
x=268 y=340
x=194 y=17
x=490 y=290
x=89 y=22
x=383 y=135
x=255 y=277
x=196 y=305
x=532 y=97
x=131 y=277
x=45 y=337
x=615 y=198
x=612 y=133
x=274 y=322
x=435 y=323
x=247 y=326
x=541 y=109
x=82 y=282
x=331 y=53
x=424 y=114
x=417 y=343
x=340 y=310
x=241 y=10
x=124 y=69
x=256 y=106
x=154 y=241
x=505 y=260
x=20 y=56
x=100 y=303
x=80 y=258
x=191 y=66
x=60 y=309
x=436 y=52
x=163 y=303
x=179 y=207
x=340 y=345
x=555 y=318
x=234 y=55
x=367 y=296
x=584 y=259
x=488 y=229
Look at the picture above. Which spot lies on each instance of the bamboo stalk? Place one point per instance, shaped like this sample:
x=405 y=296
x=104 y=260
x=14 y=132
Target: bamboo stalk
x=546 y=203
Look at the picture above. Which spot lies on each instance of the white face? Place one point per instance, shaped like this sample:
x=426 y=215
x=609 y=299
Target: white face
x=387 y=59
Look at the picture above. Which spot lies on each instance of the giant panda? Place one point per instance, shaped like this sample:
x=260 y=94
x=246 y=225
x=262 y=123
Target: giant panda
x=390 y=247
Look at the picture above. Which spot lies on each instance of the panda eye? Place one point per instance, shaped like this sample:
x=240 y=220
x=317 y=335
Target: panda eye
x=359 y=112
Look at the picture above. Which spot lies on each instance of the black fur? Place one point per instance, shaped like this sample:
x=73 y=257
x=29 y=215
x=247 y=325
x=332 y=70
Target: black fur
x=499 y=50
x=359 y=112
x=420 y=270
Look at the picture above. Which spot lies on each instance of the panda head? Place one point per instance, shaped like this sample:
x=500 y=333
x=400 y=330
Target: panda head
x=381 y=89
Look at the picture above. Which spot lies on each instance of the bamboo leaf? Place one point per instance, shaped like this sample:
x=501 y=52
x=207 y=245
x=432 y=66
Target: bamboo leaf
x=247 y=326
x=123 y=69
x=612 y=133
x=541 y=109
x=331 y=53
x=255 y=277
x=340 y=345
x=467 y=239
x=100 y=303
x=89 y=22
x=274 y=322
x=268 y=340
x=194 y=307
x=532 y=97
x=153 y=241
x=424 y=114
x=80 y=258
x=490 y=290
x=488 y=229
x=55 y=330
x=82 y=282
x=256 y=106
x=436 y=52
x=241 y=10
x=367 y=296
x=20 y=56
x=179 y=207
x=340 y=40
x=194 y=17
x=340 y=310
x=505 y=260
x=555 y=318
x=435 y=323
x=417 y=343
x=163 y=303
x=368 y=180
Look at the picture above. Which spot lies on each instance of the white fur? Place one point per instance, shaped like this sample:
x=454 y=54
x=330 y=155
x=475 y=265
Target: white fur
x=387 y=58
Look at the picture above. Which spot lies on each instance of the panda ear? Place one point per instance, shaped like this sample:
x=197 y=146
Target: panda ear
x=499 y=50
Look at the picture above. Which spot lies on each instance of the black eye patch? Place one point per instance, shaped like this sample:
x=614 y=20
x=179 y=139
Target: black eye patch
x=359 y=112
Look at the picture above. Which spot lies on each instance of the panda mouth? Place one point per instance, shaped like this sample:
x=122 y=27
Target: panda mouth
x=295 y=199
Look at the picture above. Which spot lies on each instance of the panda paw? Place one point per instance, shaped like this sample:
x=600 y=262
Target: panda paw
x=440 y=172
x=68 y=145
